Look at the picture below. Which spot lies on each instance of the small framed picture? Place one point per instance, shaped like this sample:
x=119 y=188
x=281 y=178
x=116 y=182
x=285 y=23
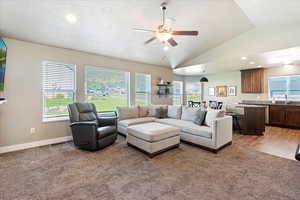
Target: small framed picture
x=211 y=91
x=221 y=91
x=231 y=90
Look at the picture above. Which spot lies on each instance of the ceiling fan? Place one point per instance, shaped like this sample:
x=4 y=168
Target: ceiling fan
x=164 y=31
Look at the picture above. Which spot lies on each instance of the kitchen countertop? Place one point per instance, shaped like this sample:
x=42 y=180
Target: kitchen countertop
x=242 y=105
x=269 y=103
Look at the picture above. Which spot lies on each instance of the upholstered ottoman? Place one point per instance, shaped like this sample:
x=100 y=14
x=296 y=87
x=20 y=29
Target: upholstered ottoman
x=153 y=138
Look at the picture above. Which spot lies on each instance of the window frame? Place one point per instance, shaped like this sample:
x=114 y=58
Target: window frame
x=128 y=87
x=74 y=91
x=181 y=95
x=149 y=99
x=187 y=94
x=287 y=86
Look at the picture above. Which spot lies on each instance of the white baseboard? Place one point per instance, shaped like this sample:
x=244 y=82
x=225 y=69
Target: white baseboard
x=18 y=147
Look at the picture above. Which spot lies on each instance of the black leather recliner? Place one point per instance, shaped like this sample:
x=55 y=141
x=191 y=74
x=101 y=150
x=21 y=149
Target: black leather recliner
x=89 y=131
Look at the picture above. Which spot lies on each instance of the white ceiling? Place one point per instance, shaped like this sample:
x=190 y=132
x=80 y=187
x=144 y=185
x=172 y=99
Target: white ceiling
x=278 y=58
x=274 y=39
x=270 y=12
x=105 y=26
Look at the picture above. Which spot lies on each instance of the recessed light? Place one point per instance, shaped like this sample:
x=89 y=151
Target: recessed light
x=71 y=18
x=258 y=66
x=244 y=58
x=251 y=63
x=166 y=48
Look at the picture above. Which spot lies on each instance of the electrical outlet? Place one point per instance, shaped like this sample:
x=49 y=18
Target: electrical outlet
x=32 y=130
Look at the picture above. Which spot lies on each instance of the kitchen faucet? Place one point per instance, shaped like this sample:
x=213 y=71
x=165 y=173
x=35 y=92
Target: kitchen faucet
x=286 y=98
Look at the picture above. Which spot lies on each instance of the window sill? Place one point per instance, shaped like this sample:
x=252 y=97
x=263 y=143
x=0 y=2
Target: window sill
x=55 y=119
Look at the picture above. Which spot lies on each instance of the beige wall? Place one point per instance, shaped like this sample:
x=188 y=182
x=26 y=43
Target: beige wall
x=23 y=109
x=234 y=79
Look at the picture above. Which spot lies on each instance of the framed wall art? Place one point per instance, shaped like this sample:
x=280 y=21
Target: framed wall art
x=221 y=91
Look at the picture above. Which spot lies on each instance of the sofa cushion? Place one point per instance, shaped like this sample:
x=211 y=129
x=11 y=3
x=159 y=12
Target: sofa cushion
x=152 y=109
x=128 y=112
x=130 y=122
x=200 y=117
x=188 y=127
x=194 y=129
x=174 y=112
x=189 y=113
x=153 y=132
x=212 y=115
x=143 y=111
x=170 y=121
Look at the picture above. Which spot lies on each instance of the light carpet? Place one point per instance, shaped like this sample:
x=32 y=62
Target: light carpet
x=123 y=173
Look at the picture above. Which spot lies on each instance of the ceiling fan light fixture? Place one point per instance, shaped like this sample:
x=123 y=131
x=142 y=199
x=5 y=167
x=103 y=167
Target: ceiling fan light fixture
x=166 y=48
x=164 y=37
x=164 y=32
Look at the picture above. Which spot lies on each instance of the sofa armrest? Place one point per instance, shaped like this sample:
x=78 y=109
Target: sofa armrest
x=107 y=121
x=74 y=124
x=222 y=131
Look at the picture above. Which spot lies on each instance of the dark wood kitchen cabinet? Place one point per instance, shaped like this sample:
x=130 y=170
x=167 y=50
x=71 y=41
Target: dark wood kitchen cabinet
x=277 y=115
x=252 y=80
x=293 y=116
x=284 y=115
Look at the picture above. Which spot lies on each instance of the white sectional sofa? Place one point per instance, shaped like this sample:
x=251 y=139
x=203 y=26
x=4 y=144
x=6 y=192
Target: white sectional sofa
x=213 y=135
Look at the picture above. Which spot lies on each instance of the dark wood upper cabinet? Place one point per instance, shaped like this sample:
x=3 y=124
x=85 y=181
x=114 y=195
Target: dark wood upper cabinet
x=252 y=80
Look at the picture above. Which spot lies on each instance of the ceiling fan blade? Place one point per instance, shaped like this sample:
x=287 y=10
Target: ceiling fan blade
x=185 y=33
x=150 y=40
x=172 y=42
x=143 y=30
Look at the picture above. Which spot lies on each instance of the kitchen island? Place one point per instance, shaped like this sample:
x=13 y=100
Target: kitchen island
x=280 y=113
x=253 y=121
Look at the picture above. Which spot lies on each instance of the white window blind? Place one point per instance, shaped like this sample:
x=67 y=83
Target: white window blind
x=59 y=88
x=177 y=92
x=142 y=89
x=284 y=85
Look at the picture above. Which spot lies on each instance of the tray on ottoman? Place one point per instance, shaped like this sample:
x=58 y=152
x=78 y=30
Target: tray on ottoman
x=153 y=138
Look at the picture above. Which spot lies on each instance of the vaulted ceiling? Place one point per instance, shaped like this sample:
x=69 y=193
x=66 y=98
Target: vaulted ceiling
x=276 y=30
x=105 y=27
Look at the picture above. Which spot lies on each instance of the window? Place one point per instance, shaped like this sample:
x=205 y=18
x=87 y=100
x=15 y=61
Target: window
x=177 y=92
x=284 y=85
x=106 y=88
x=142 y=89
x=193 y=91
x=59 y=88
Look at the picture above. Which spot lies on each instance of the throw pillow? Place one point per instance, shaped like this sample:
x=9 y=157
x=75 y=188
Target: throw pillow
x=152 y=109
x=189 y=113
x=143 y=111
x=211 y=115
x=174 y=112
x=200 y=117
x=161 y=112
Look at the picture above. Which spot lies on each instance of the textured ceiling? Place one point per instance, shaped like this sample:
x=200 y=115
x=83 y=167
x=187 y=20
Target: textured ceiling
x=105 y=26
